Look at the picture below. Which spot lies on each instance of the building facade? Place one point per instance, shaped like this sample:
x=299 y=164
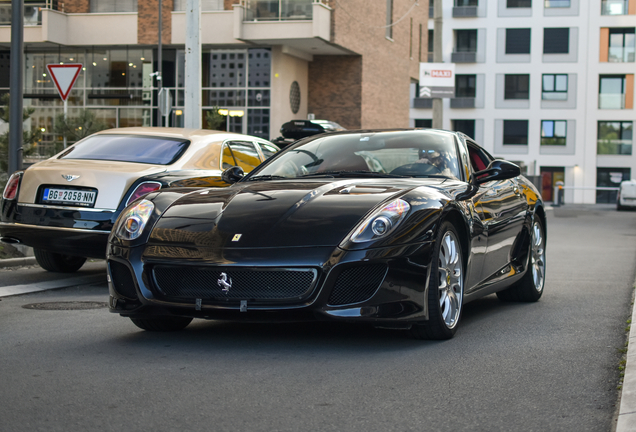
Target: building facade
x=265 y=61
x=548 y=84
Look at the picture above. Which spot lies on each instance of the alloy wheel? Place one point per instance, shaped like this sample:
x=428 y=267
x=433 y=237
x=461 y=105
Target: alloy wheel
x=451 y=284
x=537 y=257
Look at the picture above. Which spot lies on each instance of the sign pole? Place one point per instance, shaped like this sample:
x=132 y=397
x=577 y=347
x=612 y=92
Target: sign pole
x=438 y=104
x=65 y=117
x=16 y=82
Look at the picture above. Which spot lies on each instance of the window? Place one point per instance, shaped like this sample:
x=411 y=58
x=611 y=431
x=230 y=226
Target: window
x=611 y=92
x=556 y=40
x=466 y=41
x=113 y=6
x=515 y=132
x=610 y=177
x=430 y=45
x=557 y=4
x=621 y=45
x=553 y=132
x=517 y=87
x=389 y=19
x=465 y=86
x=465 y=126
x=423 y=123
x=518 y=41
x=555 y=87
x=519 y=3
x=615 y=137
x=240 y=153
x=614 y=7
x=460 y=3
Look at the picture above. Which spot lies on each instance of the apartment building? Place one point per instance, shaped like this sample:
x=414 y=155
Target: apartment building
x=546 y=83
x=268 y=61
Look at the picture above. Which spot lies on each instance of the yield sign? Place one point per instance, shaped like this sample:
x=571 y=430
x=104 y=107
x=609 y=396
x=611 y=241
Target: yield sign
x=64 y=76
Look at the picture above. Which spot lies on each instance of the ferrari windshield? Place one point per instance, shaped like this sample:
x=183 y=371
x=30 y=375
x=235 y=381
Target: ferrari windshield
x=415 y=153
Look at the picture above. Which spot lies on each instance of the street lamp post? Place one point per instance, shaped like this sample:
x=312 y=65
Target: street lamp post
x=16 y=83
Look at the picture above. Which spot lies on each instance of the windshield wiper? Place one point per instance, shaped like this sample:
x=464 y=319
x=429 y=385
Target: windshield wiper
x=267 y=177
x=359 y=173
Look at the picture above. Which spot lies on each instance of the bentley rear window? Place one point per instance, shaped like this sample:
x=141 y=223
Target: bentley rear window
x=129 y=148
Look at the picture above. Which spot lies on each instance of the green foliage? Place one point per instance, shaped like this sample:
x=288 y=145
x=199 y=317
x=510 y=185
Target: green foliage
x=77 y=127
x=213 y=119
x=30 y=137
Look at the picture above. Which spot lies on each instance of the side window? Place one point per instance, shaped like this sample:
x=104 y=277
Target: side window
x=478 y=159
x=245 y=155
x=227 y=159
x=268 y=150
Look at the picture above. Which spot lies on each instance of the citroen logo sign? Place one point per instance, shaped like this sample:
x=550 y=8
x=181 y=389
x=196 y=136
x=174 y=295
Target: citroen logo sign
x=224 y=284
x=70 y=177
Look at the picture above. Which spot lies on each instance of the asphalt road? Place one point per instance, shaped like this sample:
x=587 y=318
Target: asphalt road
x=551 y=365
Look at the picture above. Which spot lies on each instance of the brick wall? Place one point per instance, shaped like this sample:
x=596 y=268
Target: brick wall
x=74 y=6
x=335 y=90
x=147 y=21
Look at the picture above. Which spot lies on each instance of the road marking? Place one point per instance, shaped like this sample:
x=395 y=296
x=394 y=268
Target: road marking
x=54 y=284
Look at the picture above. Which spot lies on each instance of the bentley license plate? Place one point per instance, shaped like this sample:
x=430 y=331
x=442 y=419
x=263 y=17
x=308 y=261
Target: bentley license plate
x=69 y=196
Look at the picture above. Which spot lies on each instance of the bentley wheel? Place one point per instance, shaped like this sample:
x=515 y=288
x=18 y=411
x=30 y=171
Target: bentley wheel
x=530 y=287
x=445 y=288
x=58 y=263
x=162 y=324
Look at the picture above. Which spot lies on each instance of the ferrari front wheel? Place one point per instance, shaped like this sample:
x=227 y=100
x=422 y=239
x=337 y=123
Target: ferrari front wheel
x=162 y=324
x=445 y=293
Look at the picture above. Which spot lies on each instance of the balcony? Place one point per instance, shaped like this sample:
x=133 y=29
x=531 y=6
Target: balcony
x=614 y=147
x=425 y=103
x=611 y=101
x=464 y=57
x=462 y=102
x=32 y=14
x=621 y=55
x=279 y=10
x=464 y=11
x=614 y=7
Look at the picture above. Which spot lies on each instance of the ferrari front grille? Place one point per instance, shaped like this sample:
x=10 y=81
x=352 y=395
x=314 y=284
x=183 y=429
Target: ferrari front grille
x=357 y=284
x=219 y=284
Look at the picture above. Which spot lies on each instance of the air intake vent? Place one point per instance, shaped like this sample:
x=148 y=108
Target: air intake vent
x=122 y=279
x=357 y=284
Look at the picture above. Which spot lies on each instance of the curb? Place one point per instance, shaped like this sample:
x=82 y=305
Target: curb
x=627 y=411
x=16 y=262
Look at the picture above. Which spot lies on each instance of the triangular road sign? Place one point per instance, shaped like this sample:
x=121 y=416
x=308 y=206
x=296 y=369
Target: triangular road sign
x=64 y=76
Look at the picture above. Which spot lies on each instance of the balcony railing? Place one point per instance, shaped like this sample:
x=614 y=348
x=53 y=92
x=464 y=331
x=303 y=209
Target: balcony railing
x=621 y=55
x=611 y=101
x=32 y=13
x=279 y=10
x=614 y=7
x=206 y=5
x=614 y=147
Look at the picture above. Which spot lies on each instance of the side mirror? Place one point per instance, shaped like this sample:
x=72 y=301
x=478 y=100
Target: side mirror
x=232 y=174
x=497 y=170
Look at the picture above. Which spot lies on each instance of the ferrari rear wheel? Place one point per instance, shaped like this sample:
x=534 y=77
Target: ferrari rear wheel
x=445 y=288
x=162 y=324
x=58 y=263
x=530 y=287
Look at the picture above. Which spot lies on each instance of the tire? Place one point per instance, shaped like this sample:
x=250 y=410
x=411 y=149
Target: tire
x=58 y=263
x=530 y=287
x=445 y=288
x=162 y=324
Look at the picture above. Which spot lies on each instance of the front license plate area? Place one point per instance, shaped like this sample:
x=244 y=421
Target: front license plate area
x=76 y=197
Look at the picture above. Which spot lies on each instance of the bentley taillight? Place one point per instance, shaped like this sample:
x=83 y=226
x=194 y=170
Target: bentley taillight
x=11 y=189
x=143 y=189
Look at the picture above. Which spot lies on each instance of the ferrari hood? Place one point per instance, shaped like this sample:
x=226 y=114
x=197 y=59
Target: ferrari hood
x=273 y=214
x=112 y=179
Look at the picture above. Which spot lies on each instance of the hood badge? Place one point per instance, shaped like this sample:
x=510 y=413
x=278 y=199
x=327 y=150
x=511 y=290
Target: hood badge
x=237 y=237
x=222 y=282
x=70 y=177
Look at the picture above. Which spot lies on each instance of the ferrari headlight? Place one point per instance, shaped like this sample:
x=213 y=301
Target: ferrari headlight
x=382 y=222
x=132 y=223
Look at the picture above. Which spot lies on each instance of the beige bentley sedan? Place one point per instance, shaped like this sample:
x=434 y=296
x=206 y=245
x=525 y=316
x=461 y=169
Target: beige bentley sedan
x=64 y=207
